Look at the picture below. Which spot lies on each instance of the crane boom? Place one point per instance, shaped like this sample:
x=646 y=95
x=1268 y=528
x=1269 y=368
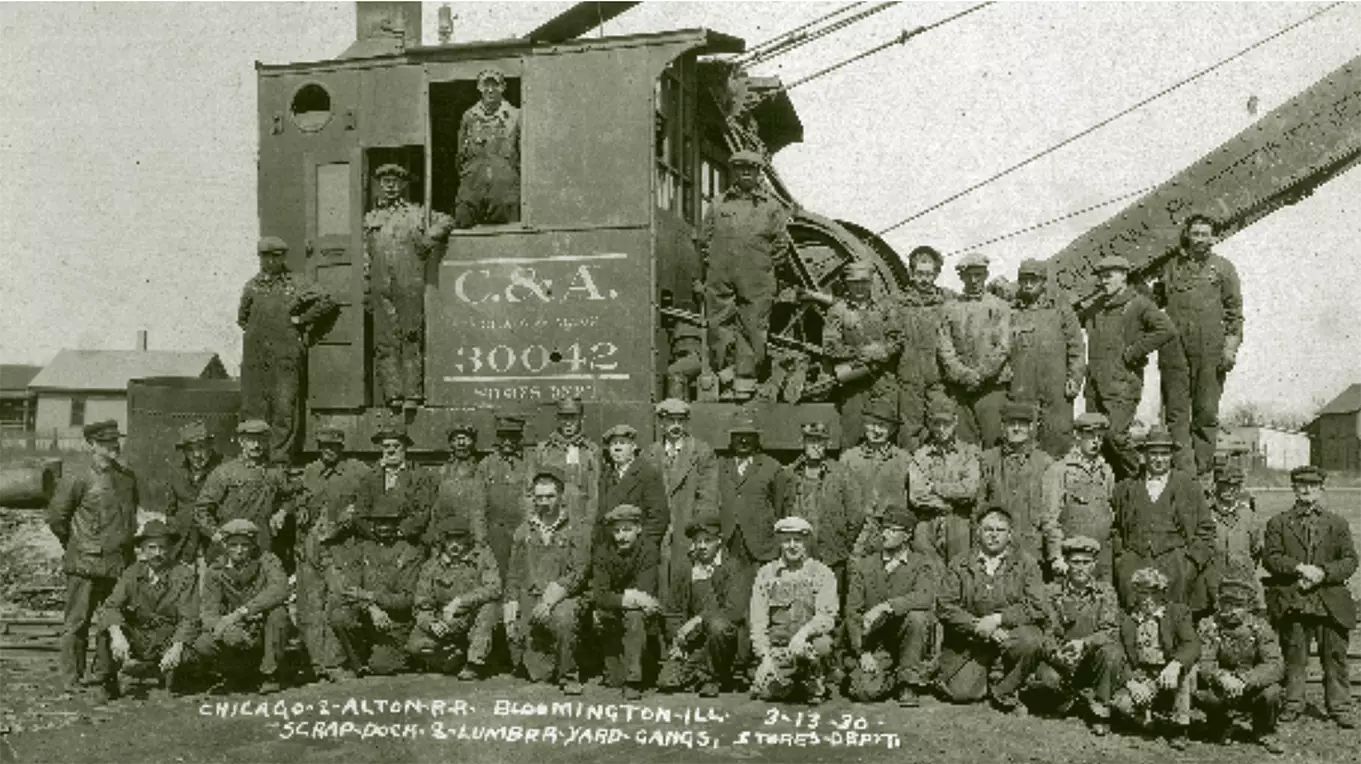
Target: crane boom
x=1278 y=161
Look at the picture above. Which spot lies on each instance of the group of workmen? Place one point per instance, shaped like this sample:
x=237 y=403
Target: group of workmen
x=970 y=574
x=977 y=348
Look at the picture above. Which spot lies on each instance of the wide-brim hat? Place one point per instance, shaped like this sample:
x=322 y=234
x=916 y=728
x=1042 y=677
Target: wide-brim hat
x=1157 y=437
x=1308 y=475
x=153 y=529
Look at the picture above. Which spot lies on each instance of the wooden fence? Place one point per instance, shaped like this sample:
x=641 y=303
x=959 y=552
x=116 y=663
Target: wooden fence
x=40 y=442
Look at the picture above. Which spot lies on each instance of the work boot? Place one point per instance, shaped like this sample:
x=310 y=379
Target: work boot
x=1289 y=714
x=340 y=675
x=1270 y=744
x=709 y=689
x=1100 y=727
x=632 y=692
x=1177 y=738
x=1345 y=720
x=269 y=686
x=571 y=687
x=907 y=697
x=816 y=690
x=470 y=672
x=106 y=692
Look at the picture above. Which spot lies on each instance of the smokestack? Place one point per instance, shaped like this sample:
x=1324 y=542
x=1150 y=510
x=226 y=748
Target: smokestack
x=141 y=340
x=384 y=29
x=446 y=24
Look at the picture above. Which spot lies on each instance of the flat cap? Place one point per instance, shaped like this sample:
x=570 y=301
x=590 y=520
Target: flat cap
x=569 y=406
x=897 y=515
x=881 y=410
x=747 y=157
x=1157 y=437
x=620 y=431
x=624 y=513
x=551 y=472
x=1112 y=263
x=1032 y=267
x=743 y=427
x=1091 y=420
x=1148 y=578
x=794 y=524
x=1018 y=411
x=153 y=529
x=673 y=407
x=973 y=260
x=858 y=271
x=510 y=423
x=707 y=522
x=1237 y=591
x=238 y=527
x=383 y=510
x=815 y=430
x=1308 y=474
x=253 y=427
x=391 y=432
x=330 y=435
x=392 y=169
x=1080 y=545
x=270 y=244
x=194 y=432
x=491 y=73
x=1229 y=473
x=103 y=430
x=455 y=525
x=941 y=409
x=461 y=428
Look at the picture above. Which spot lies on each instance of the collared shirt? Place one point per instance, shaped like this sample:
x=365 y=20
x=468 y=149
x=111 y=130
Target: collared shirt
x=896 y=560
x=742 y=465
x=1156 y=485
x=545 y=530
x=620 y=469
x=945 y=476
x=391 y=474
x=991 y=564
x=1148 y=639
x=673 y=448
x=704 y=571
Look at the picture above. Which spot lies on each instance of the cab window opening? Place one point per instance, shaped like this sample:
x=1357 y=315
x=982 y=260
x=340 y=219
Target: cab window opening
x=475 y=167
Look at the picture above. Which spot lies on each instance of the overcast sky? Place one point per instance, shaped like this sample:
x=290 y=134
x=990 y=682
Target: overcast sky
x=127 y=147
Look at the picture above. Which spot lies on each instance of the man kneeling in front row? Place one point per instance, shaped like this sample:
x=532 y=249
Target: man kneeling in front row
x=890 y=613
x=793 y=613
x=1161 y=652
x=1083 y=657
x=712 y=593
x=244 y=612
x=152 y=615
x=1241 y=666
x=456 y=603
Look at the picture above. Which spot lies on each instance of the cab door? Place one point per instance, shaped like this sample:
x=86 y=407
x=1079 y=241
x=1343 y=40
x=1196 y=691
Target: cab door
x=310 y=193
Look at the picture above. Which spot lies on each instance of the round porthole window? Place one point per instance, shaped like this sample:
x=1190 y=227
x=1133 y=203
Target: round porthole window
x=311 y=108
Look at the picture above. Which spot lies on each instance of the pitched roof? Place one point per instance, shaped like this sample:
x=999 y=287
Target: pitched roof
x=1346 y=403
x=17 y=376
x=111 y=369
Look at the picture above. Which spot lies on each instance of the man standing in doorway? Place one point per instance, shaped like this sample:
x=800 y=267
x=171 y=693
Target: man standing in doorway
x=397 y=243
x=489 y=157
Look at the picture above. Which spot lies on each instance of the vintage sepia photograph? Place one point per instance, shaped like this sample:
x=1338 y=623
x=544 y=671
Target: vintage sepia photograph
x=672 y=381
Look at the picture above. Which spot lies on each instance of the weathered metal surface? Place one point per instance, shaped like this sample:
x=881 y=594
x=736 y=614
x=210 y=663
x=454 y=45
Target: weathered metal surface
x=157 y=408
x=25 y=485
x=577 y=20
x=1278 y=161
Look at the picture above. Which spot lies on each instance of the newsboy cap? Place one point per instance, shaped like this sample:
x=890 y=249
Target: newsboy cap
x=1018 y=410
x=1229 y=473
x=1080 y=545
x=673 y=407
x=552 y=473
x=941 y=409
x=569 y=406
x=881 y=410
x=101 y=431
x=392 y=169
x=510 y=423
x=793 y=524
x=270 y=244
x=238 y=527
x=491 y=73
x=620 y=431
x=624 y=513
x=972 y=260
x=708 y=522
x=1308 y=474
x=748 y=158
x=897 y=515
x=1112 y=263
x=1237 y=591
x=1032 y=267
x=815 y=430
x=461 y=428
x=391 y=432
x=1091 y=421
x=455 y=525
x=253 y=427
x=194 y=432
x=330 y=435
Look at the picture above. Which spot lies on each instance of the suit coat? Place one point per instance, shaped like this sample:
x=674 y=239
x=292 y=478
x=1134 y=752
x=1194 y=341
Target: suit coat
x=1287 y=543
x=691 y=482
x=410 y=499
x=641 y=485
x=752 y=503
x=1176 y=633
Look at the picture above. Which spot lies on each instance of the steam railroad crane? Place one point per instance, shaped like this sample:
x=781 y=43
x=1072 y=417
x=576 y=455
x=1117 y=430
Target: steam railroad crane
x=624 y=144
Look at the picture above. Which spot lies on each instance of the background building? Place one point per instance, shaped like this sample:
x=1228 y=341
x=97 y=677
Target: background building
x=1335 y=433
x=16 y=401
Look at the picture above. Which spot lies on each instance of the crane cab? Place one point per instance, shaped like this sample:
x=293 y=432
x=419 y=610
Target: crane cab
x=623 y=148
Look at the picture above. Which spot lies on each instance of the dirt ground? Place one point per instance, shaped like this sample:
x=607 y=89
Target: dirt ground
x=40 y=723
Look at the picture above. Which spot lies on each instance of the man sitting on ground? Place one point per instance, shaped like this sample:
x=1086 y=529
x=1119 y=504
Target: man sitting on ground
x=244 y=598
x=624 y=590
x=457 y=592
